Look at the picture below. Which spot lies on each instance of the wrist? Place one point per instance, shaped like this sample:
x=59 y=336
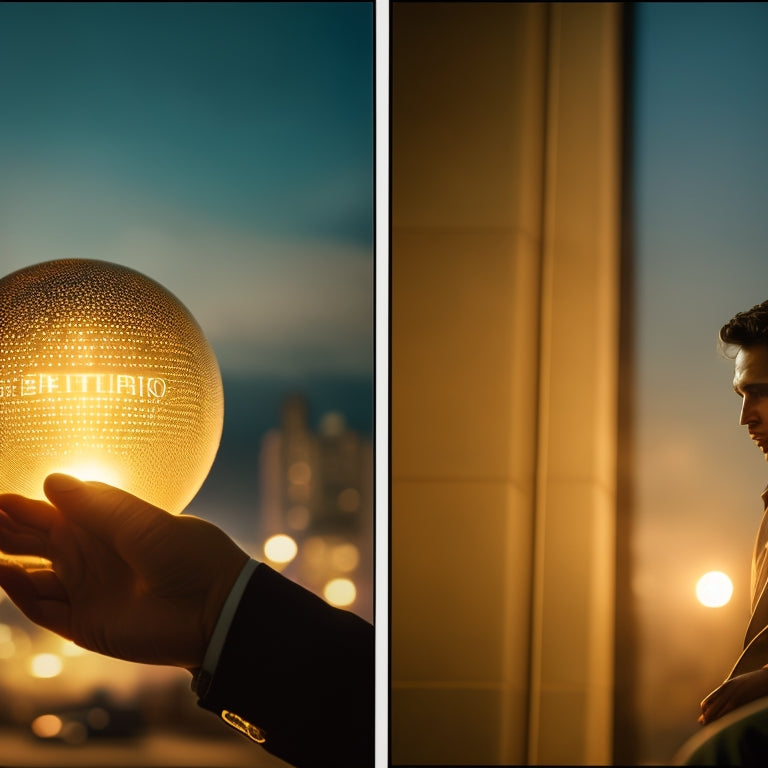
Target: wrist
x=203 y=674
x=218 y=593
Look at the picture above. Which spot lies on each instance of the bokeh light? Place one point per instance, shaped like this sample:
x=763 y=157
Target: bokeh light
x=44 y=665
x=46 y=726
x=280 y=548
x=298 y=517
x=7 y=646
x=299 y=473
x=349 y=500
x=15 y=643
x=340 y=592
x=345 y=557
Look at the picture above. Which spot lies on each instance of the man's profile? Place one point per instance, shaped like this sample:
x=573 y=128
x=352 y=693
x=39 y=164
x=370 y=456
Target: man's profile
x=741 y=737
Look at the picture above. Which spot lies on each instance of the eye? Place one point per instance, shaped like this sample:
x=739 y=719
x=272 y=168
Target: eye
x=755 y=391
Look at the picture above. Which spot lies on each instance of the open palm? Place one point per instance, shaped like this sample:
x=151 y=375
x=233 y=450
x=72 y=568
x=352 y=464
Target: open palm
x=127 y=579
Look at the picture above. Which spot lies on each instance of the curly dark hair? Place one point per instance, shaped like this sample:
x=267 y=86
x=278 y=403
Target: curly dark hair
x=745 y=329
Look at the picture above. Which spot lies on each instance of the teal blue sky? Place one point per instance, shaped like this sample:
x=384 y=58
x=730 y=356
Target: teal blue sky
x=224 y=149
x=700 y=187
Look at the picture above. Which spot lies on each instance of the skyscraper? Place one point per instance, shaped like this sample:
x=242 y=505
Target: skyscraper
x=316 y=488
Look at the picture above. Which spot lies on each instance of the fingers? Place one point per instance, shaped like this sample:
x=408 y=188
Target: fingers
x=17 y=536
x=100 y=509
x=16 y=539
x=734 y=693
x=716 y=711
x=38 y=515
x=39 y=595
x=717 y=703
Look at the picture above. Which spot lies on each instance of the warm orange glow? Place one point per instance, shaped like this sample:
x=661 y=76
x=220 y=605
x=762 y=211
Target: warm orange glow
x=714 y=589
x=105 y=375
x=298 y=517
x=98 y=718
x=349 y=500
x=93 y=470
x=14 y=642
x=340 y=592
x=345 y=557
x=280 y=548
x=7 y=649
x=299 y=473
x=315 y=552
x=68 y=648
x=7 y=646
x=45 y=665
x=46 y=726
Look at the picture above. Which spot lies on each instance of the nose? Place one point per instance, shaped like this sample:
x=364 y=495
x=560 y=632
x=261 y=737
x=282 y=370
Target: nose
x=749 y=413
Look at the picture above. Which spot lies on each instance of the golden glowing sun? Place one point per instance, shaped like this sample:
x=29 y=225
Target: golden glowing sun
x=714 y=589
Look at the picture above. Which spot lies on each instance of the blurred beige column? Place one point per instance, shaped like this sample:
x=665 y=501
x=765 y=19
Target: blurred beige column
x=505 y=171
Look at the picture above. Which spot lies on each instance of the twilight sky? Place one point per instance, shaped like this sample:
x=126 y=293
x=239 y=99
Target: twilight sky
x=224 y=149
x=700 y=195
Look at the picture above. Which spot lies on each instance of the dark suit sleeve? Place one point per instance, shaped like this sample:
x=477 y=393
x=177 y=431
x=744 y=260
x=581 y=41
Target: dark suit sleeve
x=297 y=675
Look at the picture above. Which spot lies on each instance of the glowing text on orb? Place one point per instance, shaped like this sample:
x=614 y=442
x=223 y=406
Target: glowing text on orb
x=714 y=589
x=54 y=383
x=105 y=375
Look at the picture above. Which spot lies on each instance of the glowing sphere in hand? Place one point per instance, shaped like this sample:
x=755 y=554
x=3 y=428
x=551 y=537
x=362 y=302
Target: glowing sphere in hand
x=104 y=375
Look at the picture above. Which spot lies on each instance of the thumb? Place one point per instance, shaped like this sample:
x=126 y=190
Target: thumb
x=100 y=508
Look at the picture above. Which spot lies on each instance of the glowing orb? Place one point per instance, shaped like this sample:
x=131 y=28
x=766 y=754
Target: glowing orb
x=714 y=589
x=104 y=375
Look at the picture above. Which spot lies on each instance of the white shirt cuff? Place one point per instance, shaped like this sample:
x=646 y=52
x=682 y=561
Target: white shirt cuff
x=204 y=675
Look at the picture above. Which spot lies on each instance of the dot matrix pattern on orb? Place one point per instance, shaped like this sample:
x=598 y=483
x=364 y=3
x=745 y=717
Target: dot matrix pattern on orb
x=105 y=374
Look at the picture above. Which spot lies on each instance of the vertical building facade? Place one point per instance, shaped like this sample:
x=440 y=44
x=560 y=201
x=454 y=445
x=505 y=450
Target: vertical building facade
x=504 y=335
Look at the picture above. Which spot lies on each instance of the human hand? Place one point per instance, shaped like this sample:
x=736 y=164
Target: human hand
x=733 y=693
x=127 y=580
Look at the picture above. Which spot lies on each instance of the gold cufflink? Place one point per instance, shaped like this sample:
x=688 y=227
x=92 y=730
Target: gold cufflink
x=251 y=731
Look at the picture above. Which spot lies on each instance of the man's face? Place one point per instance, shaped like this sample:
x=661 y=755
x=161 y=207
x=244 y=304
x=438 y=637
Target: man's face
x=750 y=382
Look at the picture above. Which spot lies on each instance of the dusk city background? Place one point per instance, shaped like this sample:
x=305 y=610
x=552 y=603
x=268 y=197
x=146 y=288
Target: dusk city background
x=226 y=151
